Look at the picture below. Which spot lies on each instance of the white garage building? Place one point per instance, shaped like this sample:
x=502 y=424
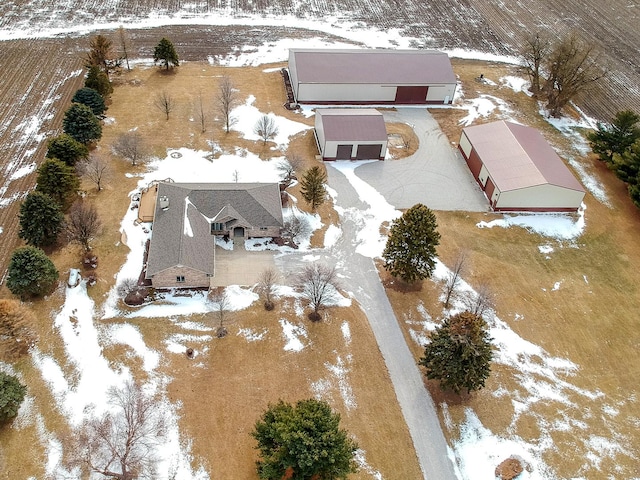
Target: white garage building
x=335 y=76
x=350 y=134
x=518 y=170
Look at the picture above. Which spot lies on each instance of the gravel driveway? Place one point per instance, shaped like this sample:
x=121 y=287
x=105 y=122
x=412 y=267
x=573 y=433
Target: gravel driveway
x=436 y=175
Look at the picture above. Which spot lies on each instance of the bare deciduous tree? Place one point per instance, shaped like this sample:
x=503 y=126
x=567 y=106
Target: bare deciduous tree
x=288 y=166
x=454 y=277
x=227 y=100
x=480 y=301
x=122 y=443
x=83 y=224
x=127 y=286
x=131 y=147
x=319 y=286
x=573 y=67
x=165 y=102
x=96 y=170
x=266 y=286
x=295 y=226
x=266 y=128
x=200 y=113
x=534 y=53
x=17 y=333
x=125 y=45
x=222 y=306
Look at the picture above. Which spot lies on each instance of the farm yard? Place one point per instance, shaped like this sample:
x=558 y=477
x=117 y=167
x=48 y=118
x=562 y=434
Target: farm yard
x=563 y=395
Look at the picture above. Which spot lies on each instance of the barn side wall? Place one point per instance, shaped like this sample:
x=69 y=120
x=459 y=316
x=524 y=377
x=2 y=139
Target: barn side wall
x=322 y=93
x=331 y=148
x=540 y=198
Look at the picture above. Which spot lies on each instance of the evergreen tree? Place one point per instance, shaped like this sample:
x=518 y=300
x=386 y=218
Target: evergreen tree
x=16 y=329
x=81 y=124
x=40 y=219
x=99 y=81
x=59 y=181
x=30 y=272
x=618 y=137
x=459 y=353
x=101 y=54
x=303 y=442
x=312 y=187
x=166 y=53
x=12 y=394
x=410 y=252
x=92 y=99
x=65 y=148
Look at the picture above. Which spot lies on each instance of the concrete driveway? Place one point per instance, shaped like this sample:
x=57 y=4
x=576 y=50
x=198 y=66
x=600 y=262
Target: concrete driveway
x=240 y=267
x=436 y=175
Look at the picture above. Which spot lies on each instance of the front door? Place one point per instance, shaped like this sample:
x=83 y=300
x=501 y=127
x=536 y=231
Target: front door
x=238 y=232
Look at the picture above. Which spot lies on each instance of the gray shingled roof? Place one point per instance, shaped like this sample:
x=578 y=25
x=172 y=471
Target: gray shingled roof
x=379 y=66
x=182 y=232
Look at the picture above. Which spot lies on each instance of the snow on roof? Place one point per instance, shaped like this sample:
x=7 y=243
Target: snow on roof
x=352 y=124
x=380 y=66
x=518 y=156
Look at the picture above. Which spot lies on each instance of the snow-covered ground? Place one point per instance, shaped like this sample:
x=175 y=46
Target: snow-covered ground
x=79 y=385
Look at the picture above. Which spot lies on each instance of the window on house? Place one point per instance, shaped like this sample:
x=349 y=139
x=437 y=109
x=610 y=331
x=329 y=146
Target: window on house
x=264 y=228
x=180 y=279
x=217 y=227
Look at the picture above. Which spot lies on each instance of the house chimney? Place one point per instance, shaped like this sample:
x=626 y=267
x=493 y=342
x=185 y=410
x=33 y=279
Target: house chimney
x=164 y=202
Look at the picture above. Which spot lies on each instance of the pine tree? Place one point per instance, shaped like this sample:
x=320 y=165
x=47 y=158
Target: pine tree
x=40 y=219
x=30 y=272
x=59 y=181
x=312 y=187
x=65 y=148
x=459 y=353
x=303 y=442
x=410 y=252
x=99 y=81
x=92 y=99
x=166 y=53
x=618 y=137
x=81 y=124
x=12 y=394
x=101 y=54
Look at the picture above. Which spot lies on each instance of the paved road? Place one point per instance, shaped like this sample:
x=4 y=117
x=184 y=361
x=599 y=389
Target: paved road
x=361 y=278
x=436 y=175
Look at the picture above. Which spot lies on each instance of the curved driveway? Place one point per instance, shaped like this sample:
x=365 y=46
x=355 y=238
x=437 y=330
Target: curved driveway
x=436 y=175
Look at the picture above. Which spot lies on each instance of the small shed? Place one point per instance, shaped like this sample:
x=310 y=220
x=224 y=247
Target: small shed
x=380 y=76
x=518 y=169
x=350 y=134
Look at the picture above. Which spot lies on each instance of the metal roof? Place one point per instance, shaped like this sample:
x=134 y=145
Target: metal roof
x=518 y=156
x=182 y=232
x=393 y=67
x=352 y=124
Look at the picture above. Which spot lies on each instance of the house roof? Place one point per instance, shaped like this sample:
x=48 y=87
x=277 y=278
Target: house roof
x=182 y=232
x=518 y=156
x=395 y=67
x=352 y=124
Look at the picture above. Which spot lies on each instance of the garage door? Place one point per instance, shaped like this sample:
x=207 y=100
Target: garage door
x=344 y=152
x=411 y=94
x=369 y=152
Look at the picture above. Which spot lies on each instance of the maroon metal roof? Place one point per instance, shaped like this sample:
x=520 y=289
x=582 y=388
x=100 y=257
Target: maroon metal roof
x=393 y=67
x=518 y=156
x=352 y=124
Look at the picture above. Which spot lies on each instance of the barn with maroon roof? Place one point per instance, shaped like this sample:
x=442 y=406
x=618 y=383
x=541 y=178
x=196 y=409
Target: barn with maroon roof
x=359 y=76
x=518 y=170
x=350 y=134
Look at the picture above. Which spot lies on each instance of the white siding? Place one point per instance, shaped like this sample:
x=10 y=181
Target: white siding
x=465 y=145
x=541 y=196
x=483 y=175
x=293 y=74
x=438 y=93
x=320 y=134
x=311 y=92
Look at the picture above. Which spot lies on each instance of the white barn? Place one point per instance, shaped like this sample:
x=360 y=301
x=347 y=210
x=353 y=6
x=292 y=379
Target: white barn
x=350 y=134
x=518 y=170
x=358 y=76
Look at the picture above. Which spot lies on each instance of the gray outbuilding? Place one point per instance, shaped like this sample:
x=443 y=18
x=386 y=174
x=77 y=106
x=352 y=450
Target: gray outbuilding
x=350 y=134
x=518 y=170
x=359 y=76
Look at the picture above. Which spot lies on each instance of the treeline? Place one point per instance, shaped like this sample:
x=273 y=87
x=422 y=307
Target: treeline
x=618 y=145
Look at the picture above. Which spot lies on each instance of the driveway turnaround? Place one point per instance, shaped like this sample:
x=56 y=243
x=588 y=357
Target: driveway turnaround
x=361 y=277
x=436 y=175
